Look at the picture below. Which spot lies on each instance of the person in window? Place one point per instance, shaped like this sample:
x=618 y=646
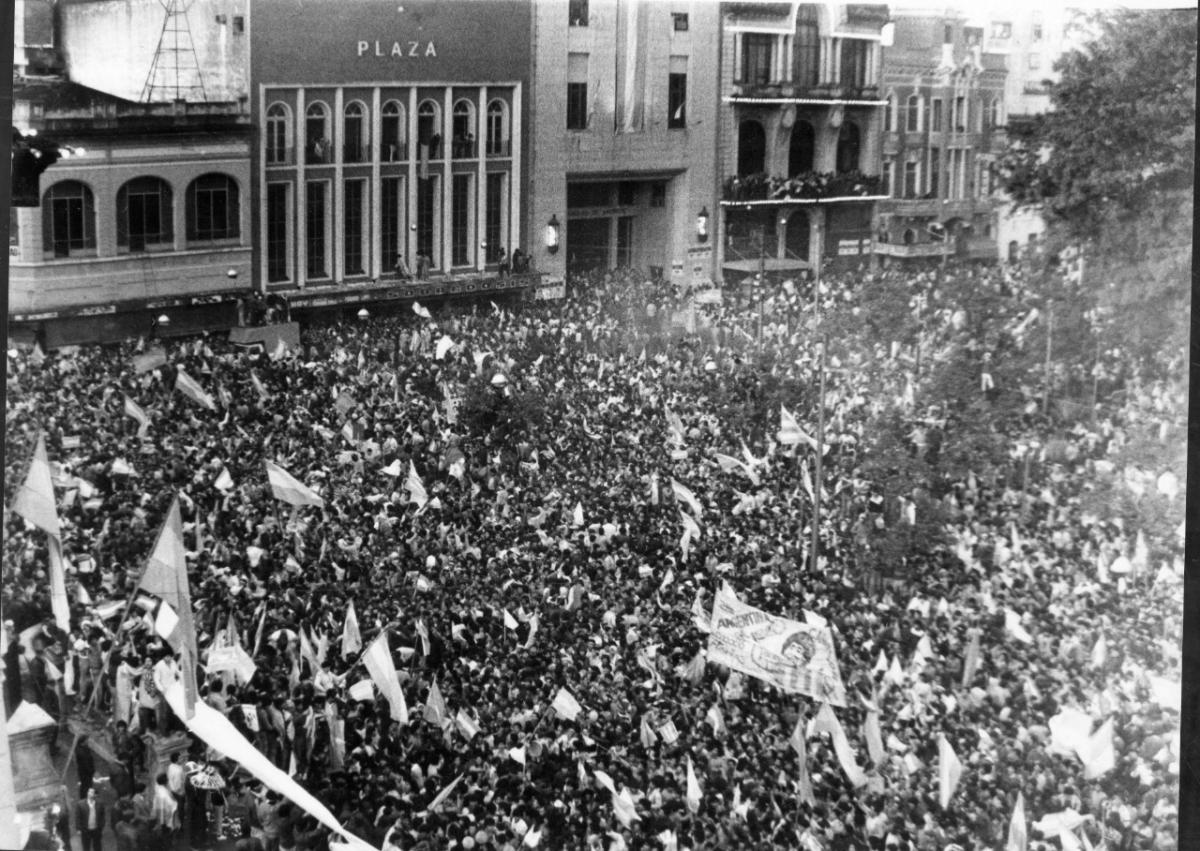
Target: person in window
x=423 y=264
x=402 y=270
x=520 y=261
x=502 y=260
x=435 y=144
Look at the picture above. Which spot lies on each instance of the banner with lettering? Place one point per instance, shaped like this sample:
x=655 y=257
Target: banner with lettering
x=790 y=655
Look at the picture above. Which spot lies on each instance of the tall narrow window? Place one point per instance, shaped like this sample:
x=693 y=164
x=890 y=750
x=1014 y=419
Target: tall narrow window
x=460 y=220
x=959 y=118
x=935 y=171
x=427 y=219
x=935 y=123
x=577 y=13
x=892 y=121
x=356 y=140
x=910 y=180
x=576 y=106
x=353 y=213
x=463 y=127
x=497 y=129
x=849 y=142
x=806 y=52
x=889 y=168
x=317 y=146
x=429 y=136
x=68 y=219
x=757 y=58
x=144 y=215
x=625 y=242
x=854 y=63
x=494 y=221
x=801 y=148
x=393 y=131
x=677 y=101
x=279 y=134
x=277 y=231
x=914 y=114
x=316 y=230
x=212 y=208
x=390 y=199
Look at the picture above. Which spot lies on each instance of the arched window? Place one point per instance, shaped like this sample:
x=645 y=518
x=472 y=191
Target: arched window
x=356 y=140
x=429 y=123
x=317 y=146
x=800 y=149
x=849 y=142
x=497 y=129
x=752 y=148
x=463 y=127
x=997 y=115
x=279 y=133
x=68 y=219
x=213 y=210
x=394 y=132
x=914 y=114
x=144 y=219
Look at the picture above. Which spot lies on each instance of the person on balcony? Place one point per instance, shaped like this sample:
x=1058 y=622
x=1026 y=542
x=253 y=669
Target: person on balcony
x=502 y=260
x=402 y=270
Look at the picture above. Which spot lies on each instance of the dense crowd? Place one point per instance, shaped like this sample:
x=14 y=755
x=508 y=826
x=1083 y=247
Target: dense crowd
x=500 y=594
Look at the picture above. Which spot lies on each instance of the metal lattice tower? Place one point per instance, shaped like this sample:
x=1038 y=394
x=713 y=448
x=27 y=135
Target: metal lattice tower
x=174 y=59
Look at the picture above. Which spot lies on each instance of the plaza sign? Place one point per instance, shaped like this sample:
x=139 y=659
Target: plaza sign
x=398 y=49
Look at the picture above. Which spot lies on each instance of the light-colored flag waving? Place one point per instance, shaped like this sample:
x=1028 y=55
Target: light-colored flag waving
x=790 y=432
x=1018 y=830
x=289 y=489
x=134 y=410
x=566 y=705
x=684 y=494
x=351 y=638
x=187 y=385
x=415 y=488
x=382 y=669
x=694 y=794
x=421 y=311
x=949 y=771
x=35 y=498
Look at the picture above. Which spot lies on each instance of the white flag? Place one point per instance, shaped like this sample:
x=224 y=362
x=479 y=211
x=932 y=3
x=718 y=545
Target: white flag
x=565 y=705
x=378 y=660
x=693 y=788
x=949 y=771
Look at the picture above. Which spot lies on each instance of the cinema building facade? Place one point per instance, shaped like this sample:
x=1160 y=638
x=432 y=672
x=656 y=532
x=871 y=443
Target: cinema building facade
x=387 y=132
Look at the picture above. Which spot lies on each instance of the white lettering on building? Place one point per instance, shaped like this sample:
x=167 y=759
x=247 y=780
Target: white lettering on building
x=396 y=49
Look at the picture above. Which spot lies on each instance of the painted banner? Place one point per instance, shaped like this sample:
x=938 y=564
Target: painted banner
x=790 y=655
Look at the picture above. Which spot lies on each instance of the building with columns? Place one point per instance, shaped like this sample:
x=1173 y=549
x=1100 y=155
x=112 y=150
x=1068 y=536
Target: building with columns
x=624 y=130
x=798 y=134
x=387 y=133
x=945 y=122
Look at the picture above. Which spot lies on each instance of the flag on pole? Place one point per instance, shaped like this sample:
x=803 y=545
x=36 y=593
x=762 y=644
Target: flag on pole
x=35 y=498
x=566 y=705
x=351 y=638
x=59 y=603
x=187 y=385
x=378 y=660
x=1097 y=752
x=827 y=722
x=693 y=788
x=132 y=409
x=517 y=754
x=289 y=489
x=444 y=345
x=435 y=707
x=790 y=432
x=715 y=719
x=949 y=771
x=165 y=576
x=224 y=482
x=466 y=725
x=801 y=747
x=646 y=733
x=259 y=387
x=443 y=795
x=684 y=494
x=533 y=628
x=1018 y=831
x=416 y=490
x=1099 y=652
x=971 y=662
x=874 y=738
x=577 y=515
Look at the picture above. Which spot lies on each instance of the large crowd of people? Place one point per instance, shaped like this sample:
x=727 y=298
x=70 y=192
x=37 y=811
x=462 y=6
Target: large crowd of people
x=549 y=556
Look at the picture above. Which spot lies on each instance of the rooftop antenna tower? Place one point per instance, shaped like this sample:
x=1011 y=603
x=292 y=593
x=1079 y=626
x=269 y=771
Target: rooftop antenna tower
x=175 y=60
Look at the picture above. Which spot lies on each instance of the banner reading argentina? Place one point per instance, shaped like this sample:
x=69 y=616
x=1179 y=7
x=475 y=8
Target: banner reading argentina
x=793 y=656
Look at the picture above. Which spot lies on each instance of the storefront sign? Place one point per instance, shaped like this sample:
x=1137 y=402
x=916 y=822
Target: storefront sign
x=700 y=260
x=551 y=291
x=848 y=247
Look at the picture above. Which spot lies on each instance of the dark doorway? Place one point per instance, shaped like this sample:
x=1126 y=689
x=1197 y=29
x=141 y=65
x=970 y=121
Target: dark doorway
x=797 y=236
x=800 y=150
x=587 y=244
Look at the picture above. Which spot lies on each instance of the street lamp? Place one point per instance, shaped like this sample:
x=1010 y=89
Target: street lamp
x=363 y=314
x=702 y=225
x=552 y=235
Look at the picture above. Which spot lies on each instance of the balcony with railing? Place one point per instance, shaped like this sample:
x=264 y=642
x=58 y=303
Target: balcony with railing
x=393 y=152
x=809 y=186
x=356 y=153
x=499 y=148
x=284 y=155
x=463 y=149
x=318 y=153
